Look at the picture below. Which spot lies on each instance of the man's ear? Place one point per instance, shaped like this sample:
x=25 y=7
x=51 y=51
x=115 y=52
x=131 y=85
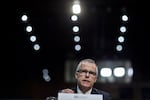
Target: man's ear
x=76 y=75
x=96 y=79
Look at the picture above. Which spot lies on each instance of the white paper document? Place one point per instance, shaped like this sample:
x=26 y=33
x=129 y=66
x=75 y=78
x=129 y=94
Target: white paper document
x=75 y=96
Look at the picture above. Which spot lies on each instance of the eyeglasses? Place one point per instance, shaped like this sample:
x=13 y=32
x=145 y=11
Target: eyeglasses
x=84 y=72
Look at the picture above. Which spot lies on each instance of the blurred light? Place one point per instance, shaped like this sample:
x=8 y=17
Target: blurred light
x=125 y=18
x=36 y=47
x=119 y=71
x=75 y=29
x=28 y=28
x=123 y=29
x=46 y=77
x=130 y=72
x=33 y=38
x=119 y=47
x=106 y=72
x=45 y=71
x=77 y=47
x=76 y=9
x=51 y=98
x=122 y=70
x=24 y=18
x=76 y=38
x=121 y=39
x=74 y=17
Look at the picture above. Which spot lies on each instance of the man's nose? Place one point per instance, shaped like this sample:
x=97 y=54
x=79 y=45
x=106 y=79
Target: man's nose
x=87 y=73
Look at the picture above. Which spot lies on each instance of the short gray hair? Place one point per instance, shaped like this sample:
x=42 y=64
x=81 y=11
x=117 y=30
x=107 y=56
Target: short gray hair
x=87 y=60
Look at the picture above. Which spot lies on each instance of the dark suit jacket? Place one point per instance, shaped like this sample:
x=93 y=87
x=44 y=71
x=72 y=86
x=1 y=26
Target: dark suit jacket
x=106 y=95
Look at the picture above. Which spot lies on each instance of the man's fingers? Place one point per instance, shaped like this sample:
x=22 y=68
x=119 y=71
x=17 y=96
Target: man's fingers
x=67 y=91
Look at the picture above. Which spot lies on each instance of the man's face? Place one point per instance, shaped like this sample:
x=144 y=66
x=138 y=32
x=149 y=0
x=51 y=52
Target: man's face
x=86 y=76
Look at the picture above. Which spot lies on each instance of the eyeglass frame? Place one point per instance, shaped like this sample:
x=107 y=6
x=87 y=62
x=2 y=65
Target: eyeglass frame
x=81 y=71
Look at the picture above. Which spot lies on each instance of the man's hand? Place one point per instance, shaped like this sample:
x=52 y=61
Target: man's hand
x=67 y=91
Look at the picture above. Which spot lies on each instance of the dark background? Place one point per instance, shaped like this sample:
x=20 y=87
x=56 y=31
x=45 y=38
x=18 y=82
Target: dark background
x=21 y=66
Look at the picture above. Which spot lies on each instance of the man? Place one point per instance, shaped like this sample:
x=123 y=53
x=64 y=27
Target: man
x=86 y=75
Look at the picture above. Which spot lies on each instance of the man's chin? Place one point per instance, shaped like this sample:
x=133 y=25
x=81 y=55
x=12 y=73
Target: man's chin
x=86 y=85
